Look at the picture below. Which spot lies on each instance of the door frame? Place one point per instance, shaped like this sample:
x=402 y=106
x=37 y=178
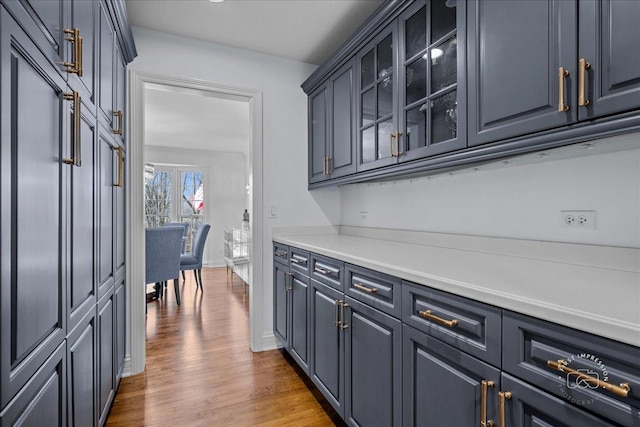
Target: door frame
x=137 y=81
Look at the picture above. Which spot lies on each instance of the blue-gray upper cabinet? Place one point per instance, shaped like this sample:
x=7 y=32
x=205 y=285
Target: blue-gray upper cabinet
x=373 y=366
x=106 y=37
x=82 y=76
x=518 y=54
x=608 y=42
x=444 y=386
x=432 y=79
x=540 y=65
x=332 y=126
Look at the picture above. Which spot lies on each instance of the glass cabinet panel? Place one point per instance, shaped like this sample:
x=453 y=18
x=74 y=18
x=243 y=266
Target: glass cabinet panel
x=443 y=18
x=444 y=65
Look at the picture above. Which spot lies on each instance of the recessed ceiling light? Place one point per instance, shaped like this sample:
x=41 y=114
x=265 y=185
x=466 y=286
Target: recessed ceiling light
x=216 y=1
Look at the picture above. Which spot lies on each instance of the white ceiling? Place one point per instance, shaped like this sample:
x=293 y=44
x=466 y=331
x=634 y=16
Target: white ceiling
x=304 y=30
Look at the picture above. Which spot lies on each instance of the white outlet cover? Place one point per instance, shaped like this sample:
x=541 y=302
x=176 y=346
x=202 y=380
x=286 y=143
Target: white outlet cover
x=582 y=219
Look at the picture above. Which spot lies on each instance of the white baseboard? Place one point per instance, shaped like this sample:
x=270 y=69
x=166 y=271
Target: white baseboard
x=269 y=342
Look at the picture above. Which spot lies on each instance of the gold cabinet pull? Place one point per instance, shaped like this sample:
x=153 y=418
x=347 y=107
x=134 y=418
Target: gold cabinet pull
x=561 y=365
x=321 y=270
x=120 y=182
x=365 y=288
x=562 y=73
x=288 y=287
x=296 y=260
x=427 y=314
x=503 y=396
x=582 y=98
x=395 y=150
x=76 y=156
x=75 y=66
x=342 y=306
x=486 y=385
x=280 y=253
x=118 y=129
x=329 y=165
x=398 y=153
x=335 y=313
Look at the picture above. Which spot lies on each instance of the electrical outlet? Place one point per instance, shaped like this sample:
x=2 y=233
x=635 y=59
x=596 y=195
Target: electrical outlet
x=578 y=219
x=364 y=215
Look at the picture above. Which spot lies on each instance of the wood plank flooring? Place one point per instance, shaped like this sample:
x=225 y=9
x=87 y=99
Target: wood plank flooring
x=201 y=372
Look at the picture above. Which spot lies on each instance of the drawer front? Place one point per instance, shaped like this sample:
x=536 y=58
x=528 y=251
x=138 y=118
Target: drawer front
x=532 y=351
x=470 y=326
x=299 y=260
x=375 y=289
x=328 y=271
x=281 y=253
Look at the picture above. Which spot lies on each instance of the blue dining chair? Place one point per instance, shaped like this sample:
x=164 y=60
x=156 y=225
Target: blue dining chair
x=184 y=225
x=162 y=256
x=193 y=261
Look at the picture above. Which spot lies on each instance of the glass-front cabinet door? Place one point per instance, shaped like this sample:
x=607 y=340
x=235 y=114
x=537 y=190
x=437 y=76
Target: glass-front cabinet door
x=432 y=79
x=377 y=104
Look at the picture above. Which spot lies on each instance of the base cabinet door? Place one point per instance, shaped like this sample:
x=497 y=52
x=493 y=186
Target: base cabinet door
x=299 y=320
x=327 y=345
x=106 y=375
x=444 y=386
x=281 y=303
x=525 y=405
x=120 y=330
x=81 y=362
x=373 y=366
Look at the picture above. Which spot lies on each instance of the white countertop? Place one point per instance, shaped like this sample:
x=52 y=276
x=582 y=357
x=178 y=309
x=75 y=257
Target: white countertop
x=591 y=288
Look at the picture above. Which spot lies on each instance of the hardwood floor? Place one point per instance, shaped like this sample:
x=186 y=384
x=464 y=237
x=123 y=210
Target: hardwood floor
x=201 y=372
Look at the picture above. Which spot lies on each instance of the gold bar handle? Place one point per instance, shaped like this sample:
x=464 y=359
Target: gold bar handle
x=329 y=165
x=296 y=260
x=342 y=306
x=337 y=321
x=118 y=129
x=562 y=73
x=75 y=66
x=486 y=385
x=75 y=159
x=321 y=270
x=561 y=365
x=503 y=396
x=120 y=182
x=398 y=153
x=277 y=253
x=427 y=314
x=288 y=287
x=582 y=98
x=365 y=288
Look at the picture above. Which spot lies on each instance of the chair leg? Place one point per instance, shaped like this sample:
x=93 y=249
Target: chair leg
x=183 y=277
x=195 y=276
x=176 y=287
x=200 y=277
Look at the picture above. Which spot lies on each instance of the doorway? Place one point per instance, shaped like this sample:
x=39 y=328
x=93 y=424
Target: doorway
x=138 y=83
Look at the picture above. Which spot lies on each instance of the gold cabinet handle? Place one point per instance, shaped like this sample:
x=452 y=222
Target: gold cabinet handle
x=288 y=287
x=296 y=260
x=329 y=165
x=120 y=182
x=398 y=153
x=486 y=385
x=280 y=253
x=582 y=98
x=503 y=396
x=75 y=66
x=335 y=313
x=118 y=129
x=562 y=73
x=365 y=288
x=342 y=306
x=395 y=150
x=76 y=156
x=561 y=365
x=427 y=314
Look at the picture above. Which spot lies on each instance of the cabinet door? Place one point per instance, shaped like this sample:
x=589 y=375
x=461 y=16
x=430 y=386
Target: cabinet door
x=105 y=365
x=34 y=127
x=81 y=293
x=378 y=101
x=119 y=215
x=516 y=49
x=528 y=406
x=81 y=369
x=326 y=366
x=106 y=171
x=432 y=79
x=83 y=17
x=105 y=85
x=373 y=366
x=281 y=303
x=443 y=386
x=120 y=330
x=318 y=134
x=120 y=73
x=609 y=34
x=342 y=159
x=299 y=319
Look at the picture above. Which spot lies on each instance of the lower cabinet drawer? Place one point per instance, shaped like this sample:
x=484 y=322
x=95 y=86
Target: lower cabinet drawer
x=525 y=405
x=471 y=326
x=281 y=253
x=375 y=289
x=328 y=271
x=299 y=260
x=597 y=374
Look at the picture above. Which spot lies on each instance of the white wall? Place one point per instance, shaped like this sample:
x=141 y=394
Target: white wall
x=520 y=200
x=284 y=128
x=225 y=197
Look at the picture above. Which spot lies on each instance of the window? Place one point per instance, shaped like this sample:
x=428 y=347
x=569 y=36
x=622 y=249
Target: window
x=175 y=195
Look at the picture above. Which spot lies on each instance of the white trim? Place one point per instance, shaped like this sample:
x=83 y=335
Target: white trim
x=135 y=324
x=270 y=342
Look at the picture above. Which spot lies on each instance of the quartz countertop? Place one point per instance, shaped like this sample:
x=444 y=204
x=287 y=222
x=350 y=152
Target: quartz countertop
x=591 y=288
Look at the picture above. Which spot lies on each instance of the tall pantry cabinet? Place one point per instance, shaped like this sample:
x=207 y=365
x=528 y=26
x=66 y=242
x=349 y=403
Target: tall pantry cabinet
x=62 y=152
